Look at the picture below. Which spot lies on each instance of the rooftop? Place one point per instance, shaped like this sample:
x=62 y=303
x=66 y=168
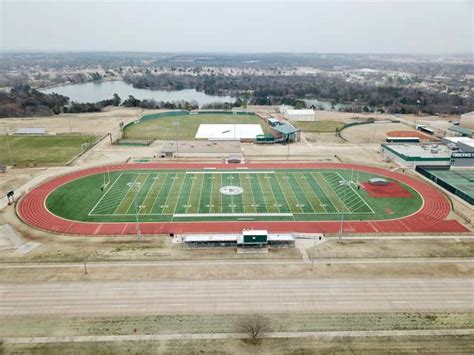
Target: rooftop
x=286 y=129
x=462 y=130
x=426 y=151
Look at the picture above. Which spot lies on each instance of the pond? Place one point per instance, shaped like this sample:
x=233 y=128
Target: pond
x=97 y=91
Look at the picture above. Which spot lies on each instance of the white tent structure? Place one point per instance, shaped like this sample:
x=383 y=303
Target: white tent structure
x=300 y=115
x=228 y=131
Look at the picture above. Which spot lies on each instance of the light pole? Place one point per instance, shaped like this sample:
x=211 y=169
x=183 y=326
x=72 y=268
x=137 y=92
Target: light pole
x=176 y=124
x=137 y=211
x=345 y=183
x=375 y=128
x=7 y=132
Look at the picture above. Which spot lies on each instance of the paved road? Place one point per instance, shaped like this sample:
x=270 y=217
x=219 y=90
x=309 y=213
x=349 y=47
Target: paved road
x=217 y=262
x=235 y=296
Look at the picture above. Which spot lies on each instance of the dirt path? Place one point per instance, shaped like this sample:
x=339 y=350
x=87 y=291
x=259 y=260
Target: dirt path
x=207 y=336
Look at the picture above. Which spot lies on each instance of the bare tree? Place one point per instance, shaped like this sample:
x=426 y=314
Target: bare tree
x=254 y=326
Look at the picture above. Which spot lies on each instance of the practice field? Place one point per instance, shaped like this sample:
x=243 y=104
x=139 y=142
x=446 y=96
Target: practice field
x=164 y=126
x=226 y=195
x=161 y=198
x=318 y=126
x=43 y=150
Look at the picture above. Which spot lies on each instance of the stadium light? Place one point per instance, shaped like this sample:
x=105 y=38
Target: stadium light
x=341 y=227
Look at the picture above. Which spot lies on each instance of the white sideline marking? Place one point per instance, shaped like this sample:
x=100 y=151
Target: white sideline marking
x=232 y=172
x=232 y=214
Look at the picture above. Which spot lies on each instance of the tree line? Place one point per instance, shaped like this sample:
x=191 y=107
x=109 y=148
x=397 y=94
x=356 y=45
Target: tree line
x=290 y=90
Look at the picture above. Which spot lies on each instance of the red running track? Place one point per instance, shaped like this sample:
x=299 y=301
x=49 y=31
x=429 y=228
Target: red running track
x=429 y=218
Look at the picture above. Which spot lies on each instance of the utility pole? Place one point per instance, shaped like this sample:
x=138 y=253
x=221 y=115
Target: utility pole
x=139 y=233
x=84 y=260
x=312 y=259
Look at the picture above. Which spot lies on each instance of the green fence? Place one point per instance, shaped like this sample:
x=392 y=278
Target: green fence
x=444 y=184
x=153 y=116
x=347 y=125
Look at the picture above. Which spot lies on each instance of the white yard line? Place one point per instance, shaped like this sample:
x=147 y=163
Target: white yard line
x=327 y=195
x=317 y=197
x=169 y=194
x=159 y=192
x=350 y=185
x=103 y=196
x=142 y=185
x=149 y=190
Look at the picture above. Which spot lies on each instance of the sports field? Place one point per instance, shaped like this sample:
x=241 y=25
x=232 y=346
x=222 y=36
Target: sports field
x=214 y=194
x=163 y=126
x=42 y=150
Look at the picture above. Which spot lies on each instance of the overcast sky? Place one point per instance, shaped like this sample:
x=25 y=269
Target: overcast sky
x=350 y=26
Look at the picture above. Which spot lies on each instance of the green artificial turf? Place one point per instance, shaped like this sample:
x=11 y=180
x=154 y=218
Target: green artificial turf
x=270 y=195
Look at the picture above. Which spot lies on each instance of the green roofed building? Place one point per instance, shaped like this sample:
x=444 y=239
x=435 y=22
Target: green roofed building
x=289 y=132
x=461 y=131
x=412 y=155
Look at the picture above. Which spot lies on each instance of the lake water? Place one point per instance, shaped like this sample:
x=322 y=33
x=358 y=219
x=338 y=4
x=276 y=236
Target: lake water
x=93 y=92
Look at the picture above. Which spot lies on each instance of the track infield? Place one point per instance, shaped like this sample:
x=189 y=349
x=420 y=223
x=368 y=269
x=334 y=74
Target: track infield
x=176 y=198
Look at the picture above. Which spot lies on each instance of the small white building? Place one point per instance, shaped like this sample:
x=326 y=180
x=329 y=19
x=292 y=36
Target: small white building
x=466 y=145
x=300 y=115
x=284 y=108
x=31 y=131
x=467 y=120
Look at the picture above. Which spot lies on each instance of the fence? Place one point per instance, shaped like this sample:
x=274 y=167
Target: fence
x=444 y=184
x=352 y=124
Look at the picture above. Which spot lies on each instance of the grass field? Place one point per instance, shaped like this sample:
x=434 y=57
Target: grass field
x=227 y=323
x=163 y=128
x=270 y=195
x=319 y=126
x=42 y=150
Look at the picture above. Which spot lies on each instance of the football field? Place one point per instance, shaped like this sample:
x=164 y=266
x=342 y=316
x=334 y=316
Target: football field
x=238 y=194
